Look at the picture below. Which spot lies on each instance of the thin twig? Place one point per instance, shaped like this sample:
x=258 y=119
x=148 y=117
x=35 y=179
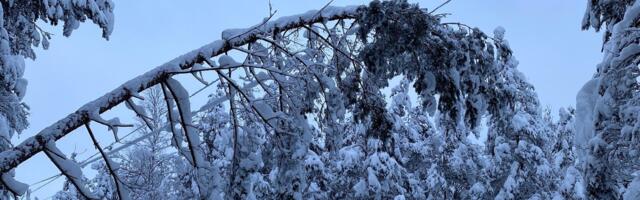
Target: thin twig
x=445 y=3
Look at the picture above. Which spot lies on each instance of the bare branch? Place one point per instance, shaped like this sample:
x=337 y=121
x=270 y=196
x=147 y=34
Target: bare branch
x=443 y=4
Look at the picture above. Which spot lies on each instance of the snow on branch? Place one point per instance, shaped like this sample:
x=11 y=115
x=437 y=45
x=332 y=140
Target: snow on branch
x=69 y=168
x=112 y=124
x=181 y=97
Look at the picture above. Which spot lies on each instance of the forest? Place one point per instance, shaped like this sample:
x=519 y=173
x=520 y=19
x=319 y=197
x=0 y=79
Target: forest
x=385 y=100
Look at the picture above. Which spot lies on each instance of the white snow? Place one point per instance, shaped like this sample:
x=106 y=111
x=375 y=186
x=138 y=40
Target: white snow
x=113 y=126
x=5 y=130
x=633 y=190
x=584 y=124
x=399 y=197
x=372 y=179
x=181 y=96
x=21 y=87
x=360 y=188
x=498 y=33
x=266 y=112
x=13 y=185
x=520 y=121
x=227 y=61
x=350 y=156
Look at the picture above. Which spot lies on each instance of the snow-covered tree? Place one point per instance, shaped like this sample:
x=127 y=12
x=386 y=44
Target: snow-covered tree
x=247 y=177
x=563 y=154
x=518 y=137
x=19 y=33
x=215 y=127
x=609 y=104
x=570 y=183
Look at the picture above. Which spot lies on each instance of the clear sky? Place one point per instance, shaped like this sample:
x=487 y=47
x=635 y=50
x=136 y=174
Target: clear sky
x=554 y=53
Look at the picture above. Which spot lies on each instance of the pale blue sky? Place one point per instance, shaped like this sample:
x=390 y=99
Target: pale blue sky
x=554 y=53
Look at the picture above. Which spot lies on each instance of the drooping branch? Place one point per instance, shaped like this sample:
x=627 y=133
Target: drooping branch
x=19 y=187
x=172 y=119
x=234 y=120
x=233 y=38
x=15 y=187
x=68 y=168
x=181 y=97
